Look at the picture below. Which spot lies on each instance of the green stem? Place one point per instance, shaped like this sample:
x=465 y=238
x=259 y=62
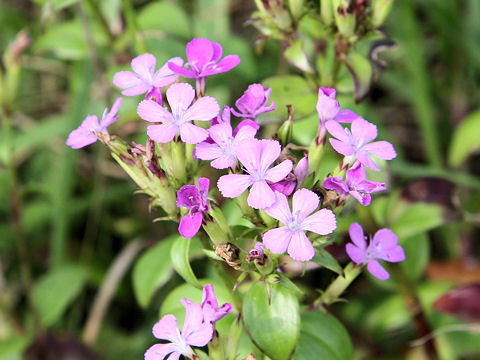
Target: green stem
x=136 y=34
x=338 y=286
x=97 y=12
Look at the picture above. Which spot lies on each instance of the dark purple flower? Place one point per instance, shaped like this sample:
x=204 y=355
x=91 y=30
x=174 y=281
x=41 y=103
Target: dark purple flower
x=85 y=134
x=257 y=251
x=383 y=246
x=211 y=312
x=203 y=58
x=355 y=185
x=253 y=102
x=194 y=199
x=357 y=142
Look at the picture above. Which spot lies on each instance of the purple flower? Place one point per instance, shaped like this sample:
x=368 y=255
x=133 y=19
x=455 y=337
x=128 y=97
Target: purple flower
x=357 y=142
x=355 y=185
x=256 y=156
x=383 y=246
x=179 y=97
x=257 y=251
x=84 y=134
x=203 y=58
x=144 y=79
x=195 y=332
x=253 y=102
x=291 y=237
x=211 y=312
x=295 y=180
x=194 y=199
x=328 y=107
x=222 y=147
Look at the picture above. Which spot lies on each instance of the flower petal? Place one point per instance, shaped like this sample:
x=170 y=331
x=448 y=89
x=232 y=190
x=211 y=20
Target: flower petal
x=248 y=152
x=221 y=133
x=204 y=109
x=204 y=185
x=224 y=65
x=160 y=351
x=179 y=97
x=261 y=195
x=201 y=336
x=347 y=116
x=363 y=131
x=162 y=133
x=277 y=240
x=166 y=329
x=209 y=297
x=357 y=255
x=199 y=52
x=304 y=202
x=207 y=151
x=280 y=210
x=377 y=270
x=301 y=170
x=323 y=222
x=144 y=65
x=182 y=71
x=111 y=117
x=357 y=236
x=149 y=110
x=132 y=84
x=223 y=162
x=342 y=147
x=80 y=138
x=190 y=224
x=188 y=196
x=364 y=158
x=165 y=76
x=336 y=183
x=233 y=185
x=269 y=152
x=192 y=134
x=382 y=149
x=337 y=130
x=279 y=172
x=193 y=317
x=300 y=248
x=246 y=129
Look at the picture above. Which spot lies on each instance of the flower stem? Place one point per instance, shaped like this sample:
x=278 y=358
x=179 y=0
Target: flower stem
x=338 y=286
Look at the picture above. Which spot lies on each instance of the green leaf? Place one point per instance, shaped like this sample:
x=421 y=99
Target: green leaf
x=297 y=57
x=165 y=16
x=325 y=259
x=417 y=253
x=361 y=72
x=179 y=253
x=322 y=337
x=290 y=89
x=418 y=218
x=465 y=140
x=274 y=326
x=152 y=270
x=54 y=292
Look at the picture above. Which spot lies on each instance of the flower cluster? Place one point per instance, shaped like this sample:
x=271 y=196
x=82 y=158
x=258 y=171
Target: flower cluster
x=197 y=329
x=283 y=193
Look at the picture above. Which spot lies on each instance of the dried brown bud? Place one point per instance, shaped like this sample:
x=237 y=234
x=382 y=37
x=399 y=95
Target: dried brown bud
x=230 y=253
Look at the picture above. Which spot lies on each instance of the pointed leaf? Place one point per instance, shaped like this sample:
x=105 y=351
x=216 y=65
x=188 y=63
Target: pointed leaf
x=274 y=326
x=179 y=255
x=325 y=259
x=465 y=140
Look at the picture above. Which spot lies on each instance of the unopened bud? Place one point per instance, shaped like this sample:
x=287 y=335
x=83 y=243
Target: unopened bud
x=286 y=130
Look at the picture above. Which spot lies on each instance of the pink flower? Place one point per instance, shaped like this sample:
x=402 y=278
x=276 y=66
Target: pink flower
x=383 y=246
x=328 y=107
x=253 y=102
x=211 y=312
x=180 y=97
x=355 y=185
x=357 y=142
x=195 y=332
x=144 y=79
x=295 y=180
x=221 y=148
x=203 y=58
x=194 y=199
x=84 y=134
x=291 y=237
x=256 y=156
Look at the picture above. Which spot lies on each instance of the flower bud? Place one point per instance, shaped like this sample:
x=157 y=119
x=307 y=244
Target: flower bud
x=380 y=11
x=285 y=131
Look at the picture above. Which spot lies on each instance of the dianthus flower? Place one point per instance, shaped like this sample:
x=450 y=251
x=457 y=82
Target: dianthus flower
x=144 y=79
x=357 y=142
x=195 y=199
x=383 y=246
x=85 y=134
x=195 y=332
x=291 y=237
x=211 y=312
x=256 y=156
x=203 y=58
x=253 y=102
x=179 y=97
x=355 y=184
